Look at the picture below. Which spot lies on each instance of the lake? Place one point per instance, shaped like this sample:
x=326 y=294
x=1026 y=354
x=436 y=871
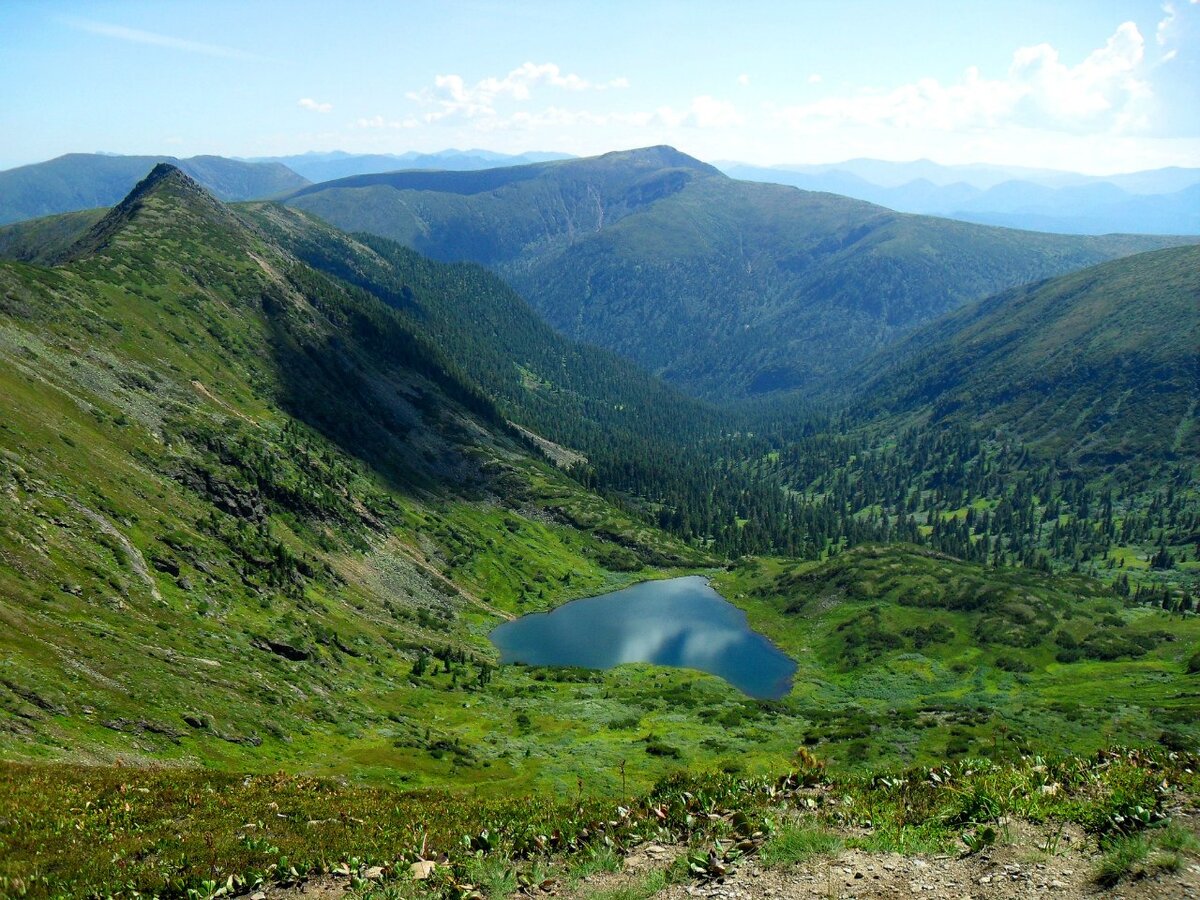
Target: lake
x=680 y=622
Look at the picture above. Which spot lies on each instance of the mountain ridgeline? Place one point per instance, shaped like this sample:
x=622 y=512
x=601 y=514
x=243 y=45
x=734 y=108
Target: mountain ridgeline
x=728 y=289
x=80 y=181
x=1162 y=201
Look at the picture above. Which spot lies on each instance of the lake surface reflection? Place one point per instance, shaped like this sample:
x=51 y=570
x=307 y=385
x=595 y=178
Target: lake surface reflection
x=679 y=622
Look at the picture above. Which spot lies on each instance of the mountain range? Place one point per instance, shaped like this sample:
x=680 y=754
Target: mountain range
x=1160 y=201
x=1099 y=367
x=726 y=288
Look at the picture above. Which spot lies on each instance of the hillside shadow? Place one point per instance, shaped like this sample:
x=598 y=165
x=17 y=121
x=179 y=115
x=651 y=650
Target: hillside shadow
x=379 y=393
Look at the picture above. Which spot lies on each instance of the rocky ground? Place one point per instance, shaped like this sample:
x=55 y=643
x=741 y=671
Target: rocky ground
x=1026 y=862
x=1017 y=866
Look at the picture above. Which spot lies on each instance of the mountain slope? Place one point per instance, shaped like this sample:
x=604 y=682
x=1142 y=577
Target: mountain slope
x=45 y=239
x=1100 y=366
x=726 y=288
x=241 y=498
x=642 y=442
x=87 y=180
x=569 y=391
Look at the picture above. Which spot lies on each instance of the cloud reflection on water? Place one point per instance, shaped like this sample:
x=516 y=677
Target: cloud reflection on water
x=679 y=622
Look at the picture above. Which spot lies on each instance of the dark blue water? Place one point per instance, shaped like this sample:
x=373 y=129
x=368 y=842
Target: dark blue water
x=679 y=622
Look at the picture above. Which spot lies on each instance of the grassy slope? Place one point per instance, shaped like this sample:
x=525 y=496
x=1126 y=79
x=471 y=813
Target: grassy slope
x=1099 y=365
x=167 y=519
x=45 y=239
x=117 y=833
x=728 y=288
x=80 y=181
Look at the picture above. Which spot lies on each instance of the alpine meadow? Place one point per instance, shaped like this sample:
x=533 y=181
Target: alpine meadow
x=751 y=471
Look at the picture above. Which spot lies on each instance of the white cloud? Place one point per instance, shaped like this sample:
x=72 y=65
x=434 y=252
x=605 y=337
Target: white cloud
x=453 y=97
x=310 y=103
x=815 y=78
x=137 y=36
x=743 y=80
x=1103 y=92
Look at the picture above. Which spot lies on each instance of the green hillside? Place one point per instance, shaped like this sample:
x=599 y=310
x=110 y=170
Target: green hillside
x=1101 y=366
x=1050 y=426
x=243 y=498
x=81 y=181
x=912 y=663
x=671 y=459
x=726 y=288
x=45 y=239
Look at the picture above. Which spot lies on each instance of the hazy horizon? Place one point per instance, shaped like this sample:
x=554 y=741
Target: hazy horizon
x=1090 y=87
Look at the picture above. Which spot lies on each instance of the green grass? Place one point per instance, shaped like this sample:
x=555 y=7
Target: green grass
x=78 y=831
x=644 y=888
x=793 y=844
x=1144 y=854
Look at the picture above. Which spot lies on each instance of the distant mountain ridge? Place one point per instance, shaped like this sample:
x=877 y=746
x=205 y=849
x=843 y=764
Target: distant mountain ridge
x=727 y=288
x=886 y=173
x=318 y=166
x=1160 y=201
x=80 y=181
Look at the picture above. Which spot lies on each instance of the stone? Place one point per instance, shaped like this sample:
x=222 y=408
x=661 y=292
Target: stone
x=422 y=869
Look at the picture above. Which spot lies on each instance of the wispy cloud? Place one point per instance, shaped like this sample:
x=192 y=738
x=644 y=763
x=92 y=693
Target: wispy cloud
x=703 y=112
x=311 y=104
x=378 y=121
x=137 y=36
x=1163 y=31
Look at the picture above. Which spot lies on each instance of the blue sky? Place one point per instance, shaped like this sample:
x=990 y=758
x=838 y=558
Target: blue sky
x=1096 y=86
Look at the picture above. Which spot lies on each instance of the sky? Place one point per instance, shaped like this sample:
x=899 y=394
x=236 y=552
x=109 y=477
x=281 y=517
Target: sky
x=1095 y=86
